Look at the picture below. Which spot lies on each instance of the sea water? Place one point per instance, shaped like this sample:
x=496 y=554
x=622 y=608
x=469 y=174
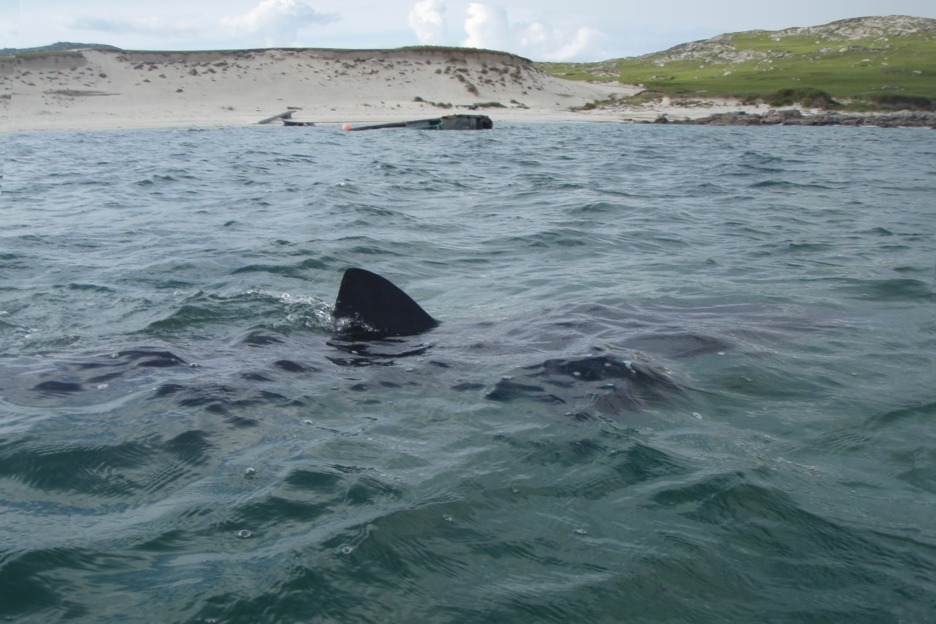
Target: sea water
x=182 y=439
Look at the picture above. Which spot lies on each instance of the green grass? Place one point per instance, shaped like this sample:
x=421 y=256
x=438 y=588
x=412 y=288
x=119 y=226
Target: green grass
x=461 y=51
x=45 y=53
x=436 y=104
x=846 y=69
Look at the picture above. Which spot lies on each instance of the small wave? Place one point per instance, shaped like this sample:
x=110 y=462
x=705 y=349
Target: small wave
x=298 y=270
x=215 y=313
x=111 y=471
x=157 y=179
x=565 y=237
x=897 y=289
x=800 y=247
x=599 y=208
x=188 y=316
x=920 y=413
x=786 y=184
x=91 y=287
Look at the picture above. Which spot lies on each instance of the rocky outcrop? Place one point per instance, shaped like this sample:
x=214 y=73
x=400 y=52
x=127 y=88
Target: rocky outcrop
x=903 y=119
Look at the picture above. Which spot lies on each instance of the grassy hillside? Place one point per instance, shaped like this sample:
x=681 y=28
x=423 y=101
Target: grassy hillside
x=875 y=60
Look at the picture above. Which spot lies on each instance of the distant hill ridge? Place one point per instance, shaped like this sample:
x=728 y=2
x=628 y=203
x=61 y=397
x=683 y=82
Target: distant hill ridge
x=863 y=28
x=885 y=61
x=61 y=45
x=730 y=47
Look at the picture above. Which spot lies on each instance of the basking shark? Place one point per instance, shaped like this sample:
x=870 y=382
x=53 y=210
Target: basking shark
x=370 y=307
x=581 y=361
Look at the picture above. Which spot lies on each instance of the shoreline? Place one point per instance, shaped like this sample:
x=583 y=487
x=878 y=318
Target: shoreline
x=795 y=117
x=86 y=90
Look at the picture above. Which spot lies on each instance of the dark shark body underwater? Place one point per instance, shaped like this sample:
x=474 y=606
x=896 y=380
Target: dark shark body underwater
x=383 y=342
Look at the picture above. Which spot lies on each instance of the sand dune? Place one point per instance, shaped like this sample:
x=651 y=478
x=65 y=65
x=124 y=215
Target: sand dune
x=98 y=89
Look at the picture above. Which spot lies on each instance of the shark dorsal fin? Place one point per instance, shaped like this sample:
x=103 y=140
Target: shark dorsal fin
x=372 y=306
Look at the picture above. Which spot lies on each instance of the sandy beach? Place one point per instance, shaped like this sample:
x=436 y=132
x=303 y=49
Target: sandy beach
x=111 y=89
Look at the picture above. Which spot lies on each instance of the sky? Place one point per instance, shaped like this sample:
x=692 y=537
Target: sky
x=542 y=30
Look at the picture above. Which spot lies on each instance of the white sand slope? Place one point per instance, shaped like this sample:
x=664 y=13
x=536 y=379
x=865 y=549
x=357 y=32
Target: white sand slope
x=97 y=89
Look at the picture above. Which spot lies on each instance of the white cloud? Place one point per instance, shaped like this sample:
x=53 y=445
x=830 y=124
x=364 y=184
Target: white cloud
x=490 y=27
x=9 y=23
x=7 y=28
x=149 y=26
x=427 y=20
x=487 y=27
x=277 y=22
x=8 y=32
x=556 y=44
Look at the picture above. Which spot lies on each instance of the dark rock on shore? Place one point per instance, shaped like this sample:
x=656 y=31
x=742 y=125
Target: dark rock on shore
x=903 y=119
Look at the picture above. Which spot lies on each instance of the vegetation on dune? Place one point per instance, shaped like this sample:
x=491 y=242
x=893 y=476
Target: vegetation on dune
x=420 y=100
x=462 y=51
x=876 y=62
x=27 y=54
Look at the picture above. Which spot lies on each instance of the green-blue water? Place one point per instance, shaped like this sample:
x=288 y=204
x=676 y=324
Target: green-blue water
x=182 y=439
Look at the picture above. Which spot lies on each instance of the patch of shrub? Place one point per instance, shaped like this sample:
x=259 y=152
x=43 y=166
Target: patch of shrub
x=805 y=96
x=436 y=104
x=468 y=85
x=596 y=104
x=898 y=101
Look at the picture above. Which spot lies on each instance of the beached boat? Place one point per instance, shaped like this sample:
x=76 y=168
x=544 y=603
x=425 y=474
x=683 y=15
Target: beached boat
x=448 y=122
